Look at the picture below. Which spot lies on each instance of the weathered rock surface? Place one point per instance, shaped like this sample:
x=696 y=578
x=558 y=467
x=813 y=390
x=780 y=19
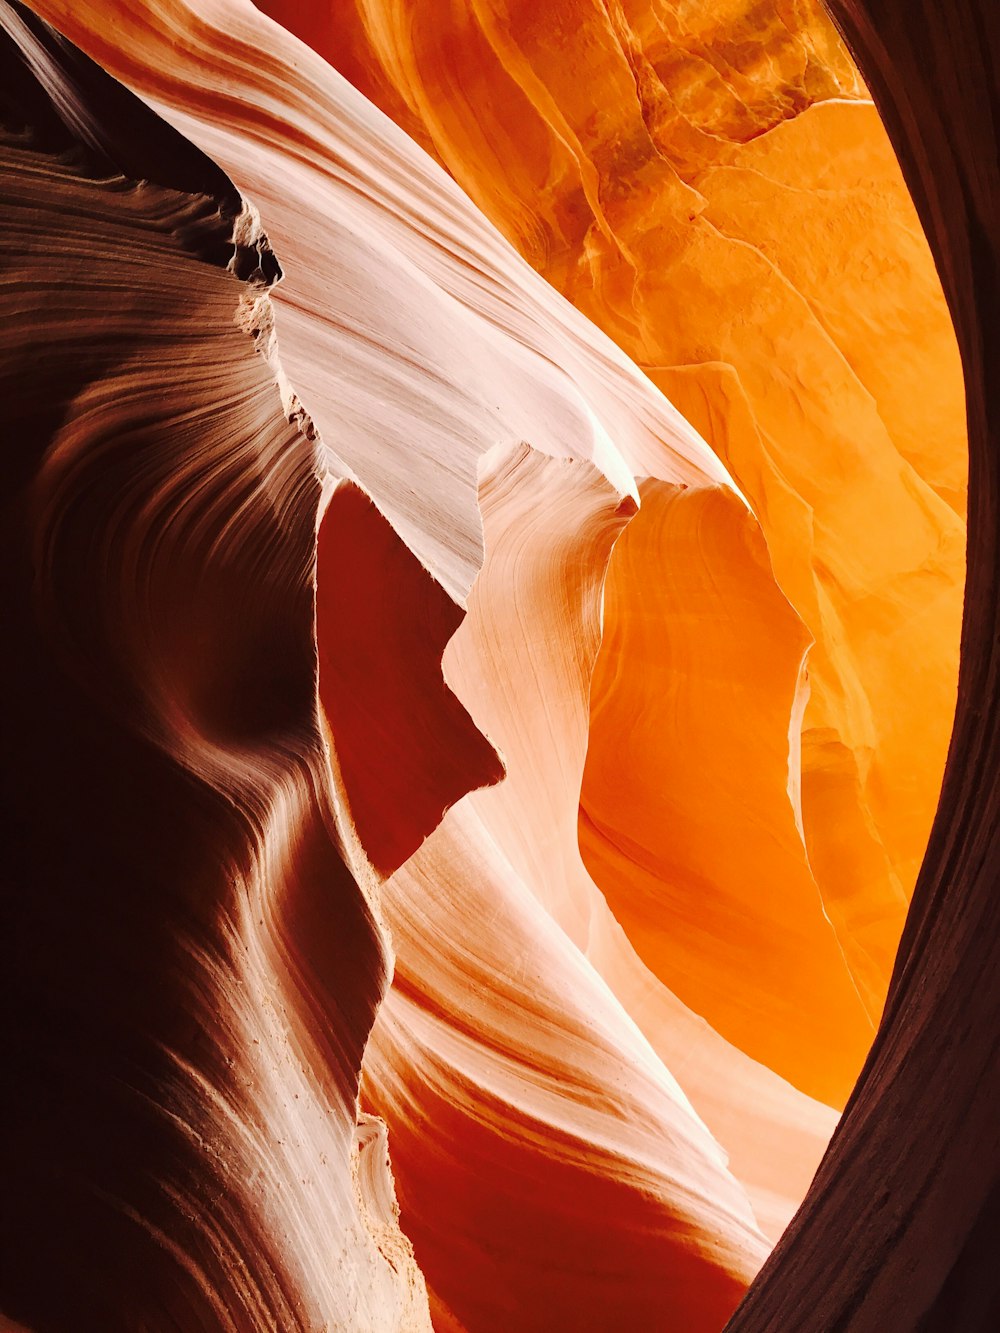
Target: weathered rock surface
x=376 y=618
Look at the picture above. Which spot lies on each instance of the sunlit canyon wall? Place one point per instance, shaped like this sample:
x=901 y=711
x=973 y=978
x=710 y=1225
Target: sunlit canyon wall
x=484 y=538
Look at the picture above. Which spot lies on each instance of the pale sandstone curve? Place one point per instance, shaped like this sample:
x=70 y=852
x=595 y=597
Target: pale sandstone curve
x=524 y=662
x=459 y=1013
x=711 y=185
x=522 y=1100
x=522 y=364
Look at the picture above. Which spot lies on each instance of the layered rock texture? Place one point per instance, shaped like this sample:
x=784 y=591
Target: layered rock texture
x=182 y=1145
x=484 y=535
x=712 y=186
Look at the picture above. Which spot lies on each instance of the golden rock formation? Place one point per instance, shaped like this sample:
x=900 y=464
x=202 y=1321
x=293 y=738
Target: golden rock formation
x=532 y=577
x=690 y=813
x=899 y=1227
x=711 y=185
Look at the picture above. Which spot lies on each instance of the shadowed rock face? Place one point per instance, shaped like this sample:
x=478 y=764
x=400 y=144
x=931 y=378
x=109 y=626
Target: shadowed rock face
x=900 y=1227
x=176 y=903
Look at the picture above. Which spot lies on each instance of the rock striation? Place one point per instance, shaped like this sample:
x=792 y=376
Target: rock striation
x=484 y=580
x=712 y=186
x=178 y=910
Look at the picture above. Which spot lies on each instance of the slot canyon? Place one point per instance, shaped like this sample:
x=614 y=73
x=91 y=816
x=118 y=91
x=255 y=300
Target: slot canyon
x=501 y=548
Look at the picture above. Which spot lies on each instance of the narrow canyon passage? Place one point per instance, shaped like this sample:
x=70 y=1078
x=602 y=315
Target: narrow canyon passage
x=485 y=549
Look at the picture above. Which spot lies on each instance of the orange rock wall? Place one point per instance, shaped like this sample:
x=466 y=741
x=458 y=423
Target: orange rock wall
x=711 y=185
x=619 y=750
x=900 y=1225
